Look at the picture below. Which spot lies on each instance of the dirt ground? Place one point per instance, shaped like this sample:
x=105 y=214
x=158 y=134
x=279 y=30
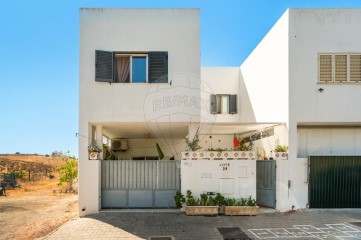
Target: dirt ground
x=34 y=210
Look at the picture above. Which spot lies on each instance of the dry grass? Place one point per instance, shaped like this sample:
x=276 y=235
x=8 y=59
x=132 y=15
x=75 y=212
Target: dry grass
x=33 y=210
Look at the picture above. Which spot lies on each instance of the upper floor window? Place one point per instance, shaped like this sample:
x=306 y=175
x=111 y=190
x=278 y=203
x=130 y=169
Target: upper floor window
x=223 y=104
x=130 y=68
x=126 y=67
x=340 y=68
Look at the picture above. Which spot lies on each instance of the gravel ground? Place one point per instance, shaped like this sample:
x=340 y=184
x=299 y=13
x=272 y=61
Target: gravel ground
x=30 y=216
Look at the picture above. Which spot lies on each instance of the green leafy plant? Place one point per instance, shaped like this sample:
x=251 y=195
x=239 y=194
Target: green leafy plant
x=240 y=202
x=68 y=171
x=204 y=200
x=217 y=149
x=219 y=199
x=179 y=199
x=108 y=155
x=192 y=144
x=94 y=148
x=19 y=174
x=251 y=202
x=281 y=148
x=230 y=202
x=190 y=200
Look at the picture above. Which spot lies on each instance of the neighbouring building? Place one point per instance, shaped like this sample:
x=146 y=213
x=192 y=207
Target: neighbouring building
x=141 y=84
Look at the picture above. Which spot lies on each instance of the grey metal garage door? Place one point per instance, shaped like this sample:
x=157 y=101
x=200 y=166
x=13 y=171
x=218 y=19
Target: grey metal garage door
x=139 y=184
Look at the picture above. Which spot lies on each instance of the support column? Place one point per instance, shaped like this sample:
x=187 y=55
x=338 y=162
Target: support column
x=99 y=139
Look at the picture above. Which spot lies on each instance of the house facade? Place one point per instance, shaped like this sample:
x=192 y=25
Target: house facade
x=141 y=84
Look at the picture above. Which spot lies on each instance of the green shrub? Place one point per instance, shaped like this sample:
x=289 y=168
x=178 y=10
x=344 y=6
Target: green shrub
x=240 y=202
x=281 y=148
x=179 y=199
x=19 y=174
x=219 y=200
x=190 y=200
x=68 y=171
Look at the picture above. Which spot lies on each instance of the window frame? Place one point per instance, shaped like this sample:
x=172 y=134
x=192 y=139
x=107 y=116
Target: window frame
x=131 y=55
x=219 y=103
x=333 y=68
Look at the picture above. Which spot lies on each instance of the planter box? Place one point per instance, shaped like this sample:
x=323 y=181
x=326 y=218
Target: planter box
x=93 y=156
x=241 y=210
x=201 y=210
x=281 y=156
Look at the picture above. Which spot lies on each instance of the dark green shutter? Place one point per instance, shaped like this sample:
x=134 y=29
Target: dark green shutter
x=213 y=104
x=158 y=67
x=103 y=66
x=233 y=104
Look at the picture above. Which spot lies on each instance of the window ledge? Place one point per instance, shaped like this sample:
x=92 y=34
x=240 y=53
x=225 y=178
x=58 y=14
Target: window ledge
x=339 y=83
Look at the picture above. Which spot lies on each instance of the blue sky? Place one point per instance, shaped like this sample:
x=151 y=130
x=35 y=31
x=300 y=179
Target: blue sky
x=39 y=58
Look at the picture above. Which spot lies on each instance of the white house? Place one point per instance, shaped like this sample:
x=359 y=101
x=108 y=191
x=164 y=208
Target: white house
x=141 y=84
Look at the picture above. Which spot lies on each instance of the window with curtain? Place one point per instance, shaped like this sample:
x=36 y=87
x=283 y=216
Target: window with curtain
x=122 y=69
x=131 y=67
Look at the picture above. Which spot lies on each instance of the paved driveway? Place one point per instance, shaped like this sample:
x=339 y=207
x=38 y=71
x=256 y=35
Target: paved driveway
x=311 y=224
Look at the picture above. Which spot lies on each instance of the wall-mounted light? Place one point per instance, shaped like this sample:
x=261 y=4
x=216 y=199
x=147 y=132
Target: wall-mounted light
x=321 y=90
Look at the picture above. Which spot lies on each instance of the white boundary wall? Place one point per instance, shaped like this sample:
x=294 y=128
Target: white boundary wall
x=231 y=178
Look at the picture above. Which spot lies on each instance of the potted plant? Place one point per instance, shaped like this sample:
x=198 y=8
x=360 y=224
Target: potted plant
x=203 y=206
x=192 y=148
x=244 y=150
x=192 y=144
x=93 y=151
x=281 y=152
x=240 y=207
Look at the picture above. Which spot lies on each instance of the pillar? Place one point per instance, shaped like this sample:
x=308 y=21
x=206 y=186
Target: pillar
x=99 y=138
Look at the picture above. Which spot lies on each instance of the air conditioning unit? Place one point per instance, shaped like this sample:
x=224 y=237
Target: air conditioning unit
x=119 y=145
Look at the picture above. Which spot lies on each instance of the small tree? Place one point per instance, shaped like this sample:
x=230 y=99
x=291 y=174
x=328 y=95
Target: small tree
x=68 y=171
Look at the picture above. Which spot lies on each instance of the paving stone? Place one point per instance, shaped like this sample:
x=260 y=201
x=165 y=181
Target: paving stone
x=311 y=224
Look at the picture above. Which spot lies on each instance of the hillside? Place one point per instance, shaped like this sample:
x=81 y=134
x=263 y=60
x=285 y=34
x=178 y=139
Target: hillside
x=33 y=167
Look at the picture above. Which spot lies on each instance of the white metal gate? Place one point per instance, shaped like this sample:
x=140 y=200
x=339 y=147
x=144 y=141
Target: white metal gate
x=139 y=184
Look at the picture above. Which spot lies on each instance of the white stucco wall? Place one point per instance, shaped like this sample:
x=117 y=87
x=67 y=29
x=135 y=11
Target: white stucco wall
x=314 y=31
x=231 y=178
x=173 y=30
x=221 y=80
x=264 y=78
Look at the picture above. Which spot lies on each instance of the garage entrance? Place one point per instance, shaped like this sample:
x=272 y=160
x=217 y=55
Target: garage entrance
x=139 y=184
x=335 y=182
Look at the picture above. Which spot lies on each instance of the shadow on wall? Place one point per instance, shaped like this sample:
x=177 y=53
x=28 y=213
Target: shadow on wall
x=247 y=114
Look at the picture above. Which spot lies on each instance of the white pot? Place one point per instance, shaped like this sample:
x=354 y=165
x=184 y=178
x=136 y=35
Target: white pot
x=93 y=155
